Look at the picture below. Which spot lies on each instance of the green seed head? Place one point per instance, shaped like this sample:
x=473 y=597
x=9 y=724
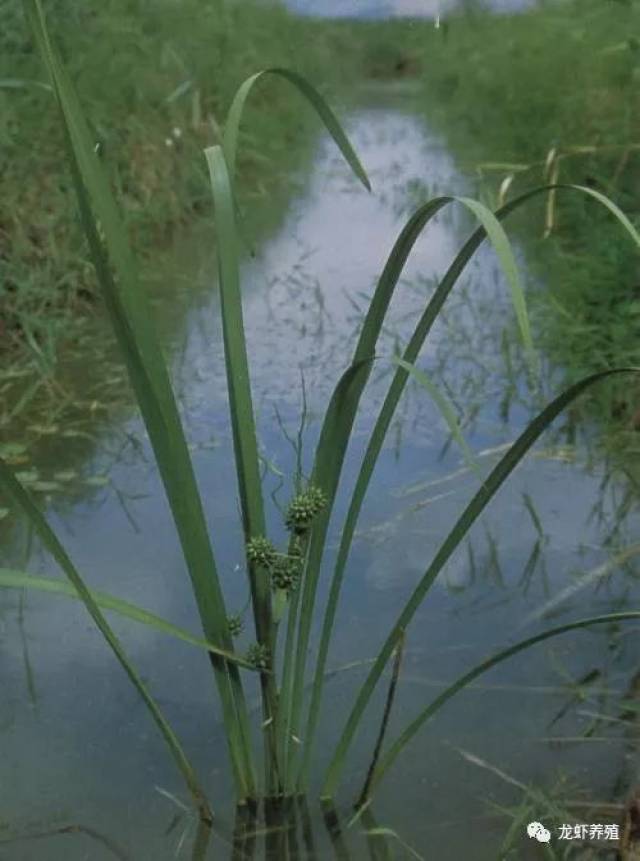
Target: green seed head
x=299 y=515
x=235 y=625
x=303 y=509
x=286 y=572
x=317 y=497
x=258 y=656
x=260 y=551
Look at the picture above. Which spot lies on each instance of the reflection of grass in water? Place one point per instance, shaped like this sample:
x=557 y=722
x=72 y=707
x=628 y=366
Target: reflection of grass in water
x=48 y=834
x=563 y=803
x=549 y=806
x=283 y=585
x=28 y=667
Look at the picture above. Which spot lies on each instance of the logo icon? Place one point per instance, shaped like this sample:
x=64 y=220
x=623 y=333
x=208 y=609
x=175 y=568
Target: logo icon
x=539 y=832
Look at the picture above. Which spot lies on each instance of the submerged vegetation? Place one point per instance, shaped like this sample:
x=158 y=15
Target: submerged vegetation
x=283 y=583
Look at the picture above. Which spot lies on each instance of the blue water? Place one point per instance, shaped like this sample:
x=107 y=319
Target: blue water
x=380 y=9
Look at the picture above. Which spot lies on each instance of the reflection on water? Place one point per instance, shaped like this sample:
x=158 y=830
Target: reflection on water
x=308 y=288
x=276 y=830
x=84 y=773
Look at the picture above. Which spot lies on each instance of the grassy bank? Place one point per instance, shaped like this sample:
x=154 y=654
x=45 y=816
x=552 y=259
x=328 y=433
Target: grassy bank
x=549 y=93
x=553 y=93
x=156 y=79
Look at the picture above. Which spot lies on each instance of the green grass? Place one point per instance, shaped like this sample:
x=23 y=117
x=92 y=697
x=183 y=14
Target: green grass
x=550 y=94
x=175 y=69
x=506 y=90
x=283 y=585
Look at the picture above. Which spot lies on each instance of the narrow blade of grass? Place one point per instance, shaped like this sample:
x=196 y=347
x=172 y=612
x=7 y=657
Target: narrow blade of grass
x=232 y=125
x=243 y=423
x=476 y=506
x=502 y=247
x=14 y=490
x=406 y=736
x=365 y=794
x=131 y=321
x=611 y=206
x=11 y=579
x=238 y=380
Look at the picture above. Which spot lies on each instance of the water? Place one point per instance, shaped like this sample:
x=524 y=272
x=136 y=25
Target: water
x=381 y=9
x=78 y=747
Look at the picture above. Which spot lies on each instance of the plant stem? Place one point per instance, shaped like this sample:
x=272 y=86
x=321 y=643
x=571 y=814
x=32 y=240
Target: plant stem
x=364 y=795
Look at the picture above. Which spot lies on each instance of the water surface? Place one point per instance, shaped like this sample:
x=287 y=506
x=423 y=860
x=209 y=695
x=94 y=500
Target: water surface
x=385 y=9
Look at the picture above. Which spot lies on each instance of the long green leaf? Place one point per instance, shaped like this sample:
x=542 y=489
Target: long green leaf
x=383 y=422
x=243 y=423
x=14 y=490
x=504 y=654
x=237 y=370
x=502 y=247
x=611 y=206
x=232 y=125
x=11 y=579
x=131 y=321
x=473 y=510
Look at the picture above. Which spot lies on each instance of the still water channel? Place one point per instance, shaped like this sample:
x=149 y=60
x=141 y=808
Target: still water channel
x=377 y=9
x=78 y=747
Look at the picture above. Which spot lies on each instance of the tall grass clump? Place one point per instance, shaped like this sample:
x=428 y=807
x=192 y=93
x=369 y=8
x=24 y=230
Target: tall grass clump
x=283 y=581
x=173 y=68
x=551 y=94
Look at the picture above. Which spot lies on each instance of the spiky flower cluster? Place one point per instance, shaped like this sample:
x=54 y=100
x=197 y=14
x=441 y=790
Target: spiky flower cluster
x=286 y=572
x=258 y=656
x=261 y=551
x=235 y=625
x=317 y=496
x=303 y=508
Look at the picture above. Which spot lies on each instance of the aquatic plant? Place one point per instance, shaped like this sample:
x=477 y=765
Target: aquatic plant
x=283 y=584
